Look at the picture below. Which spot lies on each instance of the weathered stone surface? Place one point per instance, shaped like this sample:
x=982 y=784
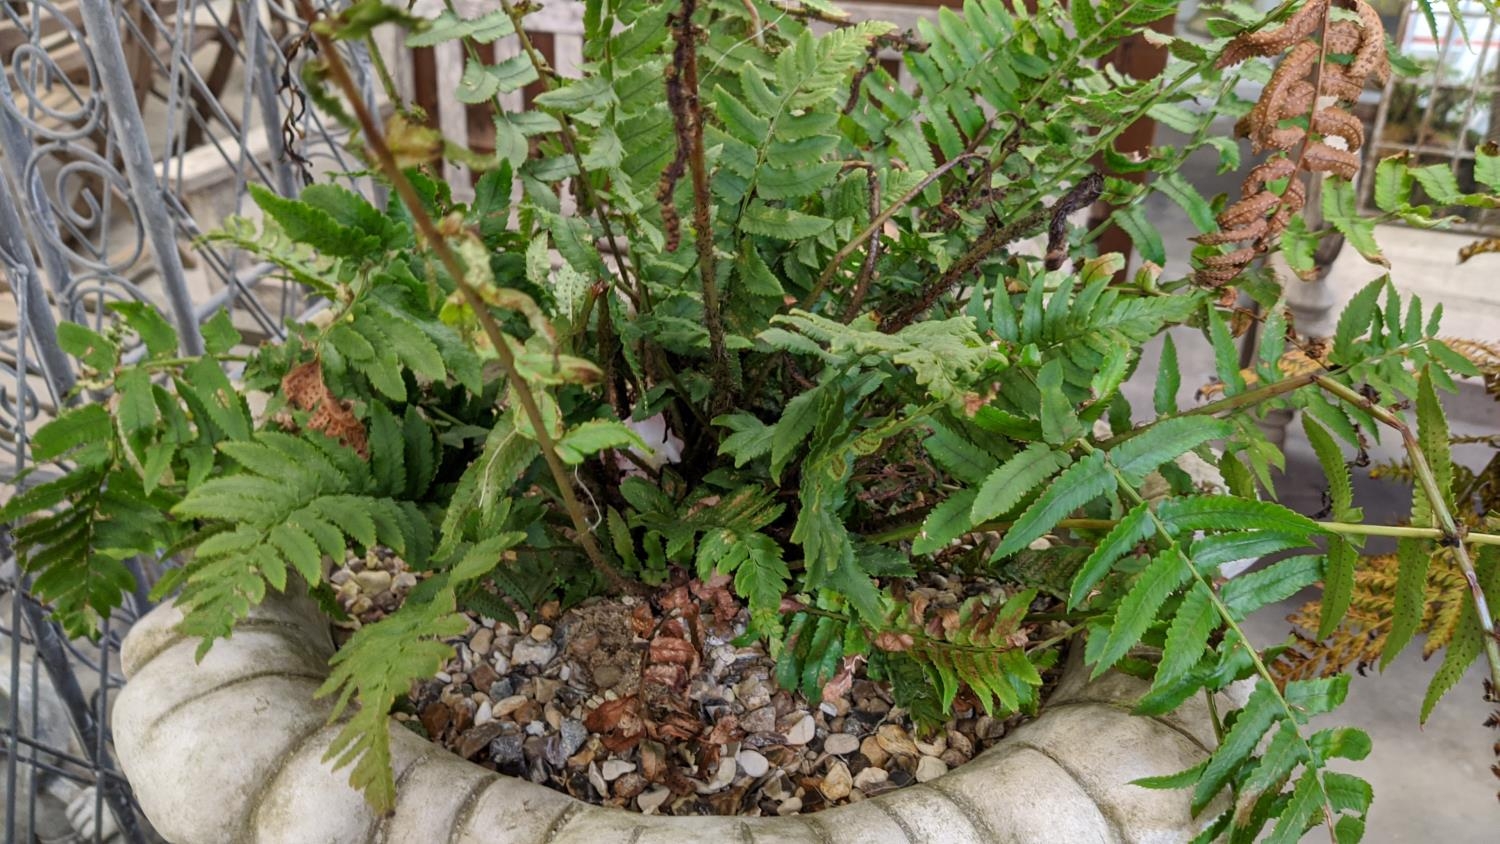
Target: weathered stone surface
x=231 y=749
x=1029 y=780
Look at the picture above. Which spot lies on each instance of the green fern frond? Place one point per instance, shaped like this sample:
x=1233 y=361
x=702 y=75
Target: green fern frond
x=376 y=666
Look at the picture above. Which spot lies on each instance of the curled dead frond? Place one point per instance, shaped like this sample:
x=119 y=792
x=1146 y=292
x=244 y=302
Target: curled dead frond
x=1478 y=247
x=1337 y=123
x=1254 y=229
x=1273 y=42
x=1322 y=60
x=1249 y=209
x=1322 y=158
x=1267 y=171
x=1344 y=37
x=1370 y=59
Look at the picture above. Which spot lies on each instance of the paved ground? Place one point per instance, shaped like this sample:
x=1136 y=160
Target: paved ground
x=1431 y=784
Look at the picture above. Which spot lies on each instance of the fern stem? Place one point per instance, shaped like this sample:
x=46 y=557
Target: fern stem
x=873 y=229
x=1405 y=532
x=1451 y=533
x=872 y=252
x=1129 y=492
x=992 y=241
x=909 y=530
x=1213 y=716
x=384 y=72
x=386 y=161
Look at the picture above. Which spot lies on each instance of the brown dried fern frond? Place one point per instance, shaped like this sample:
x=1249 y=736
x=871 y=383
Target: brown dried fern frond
x=1325 y=65
x=1485 y=355
x=1360 y=639
x=1479 y=247
x=1273 y=42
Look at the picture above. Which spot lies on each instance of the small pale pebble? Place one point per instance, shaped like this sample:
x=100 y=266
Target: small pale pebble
x=541 y=632
x=443 y=677
x=486 y=621
x=552 y=717
x=480 y=698
x=895 y=741
x=507 y=706
x=566 y=673
x=484 y=714
x=930 y=768
x=652 y=799
x=933 y=748
x=790 y=806
x=613 y=769
x=953 y=757
x=840 y=744
x=545 y=689
x=802 y=731
x=533 y=652
x=597 y=780
x=872 y=751
x=753 y=762
x=403 y=581
x=501 y=663
x=762 y=720
x=870 y=777
x=960 y=742
x=837 y=782
x=723 y=776
x=535 y=728
x=373 y=582
x=482 y=641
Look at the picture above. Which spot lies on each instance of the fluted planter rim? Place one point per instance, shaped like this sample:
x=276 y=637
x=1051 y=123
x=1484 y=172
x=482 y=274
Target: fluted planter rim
x=231 y=749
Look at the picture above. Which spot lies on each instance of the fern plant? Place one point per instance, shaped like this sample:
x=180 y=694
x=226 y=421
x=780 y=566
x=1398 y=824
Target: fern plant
x=752 y=236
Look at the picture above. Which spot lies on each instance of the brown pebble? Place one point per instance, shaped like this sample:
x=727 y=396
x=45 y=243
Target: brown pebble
x=872 y=751
x=953 y=757
x=507 y=707
x=629 y=785
x=895 y=741
x=484 y=676
x=960 y=742
x=837 y=782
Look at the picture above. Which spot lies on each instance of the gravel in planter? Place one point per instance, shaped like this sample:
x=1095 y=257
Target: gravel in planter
x=649 y=705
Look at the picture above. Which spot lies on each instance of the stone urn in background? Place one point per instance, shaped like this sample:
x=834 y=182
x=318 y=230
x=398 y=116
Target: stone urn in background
x=231 y=749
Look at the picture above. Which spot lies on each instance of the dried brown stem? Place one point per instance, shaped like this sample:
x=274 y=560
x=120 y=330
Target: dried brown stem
x=873 y=229
x=687 y=113
x=386 y=161
x=872 y=253
x=992 y=241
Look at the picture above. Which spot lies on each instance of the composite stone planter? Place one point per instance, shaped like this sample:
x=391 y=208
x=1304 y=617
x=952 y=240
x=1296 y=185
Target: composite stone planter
x=230 y=750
